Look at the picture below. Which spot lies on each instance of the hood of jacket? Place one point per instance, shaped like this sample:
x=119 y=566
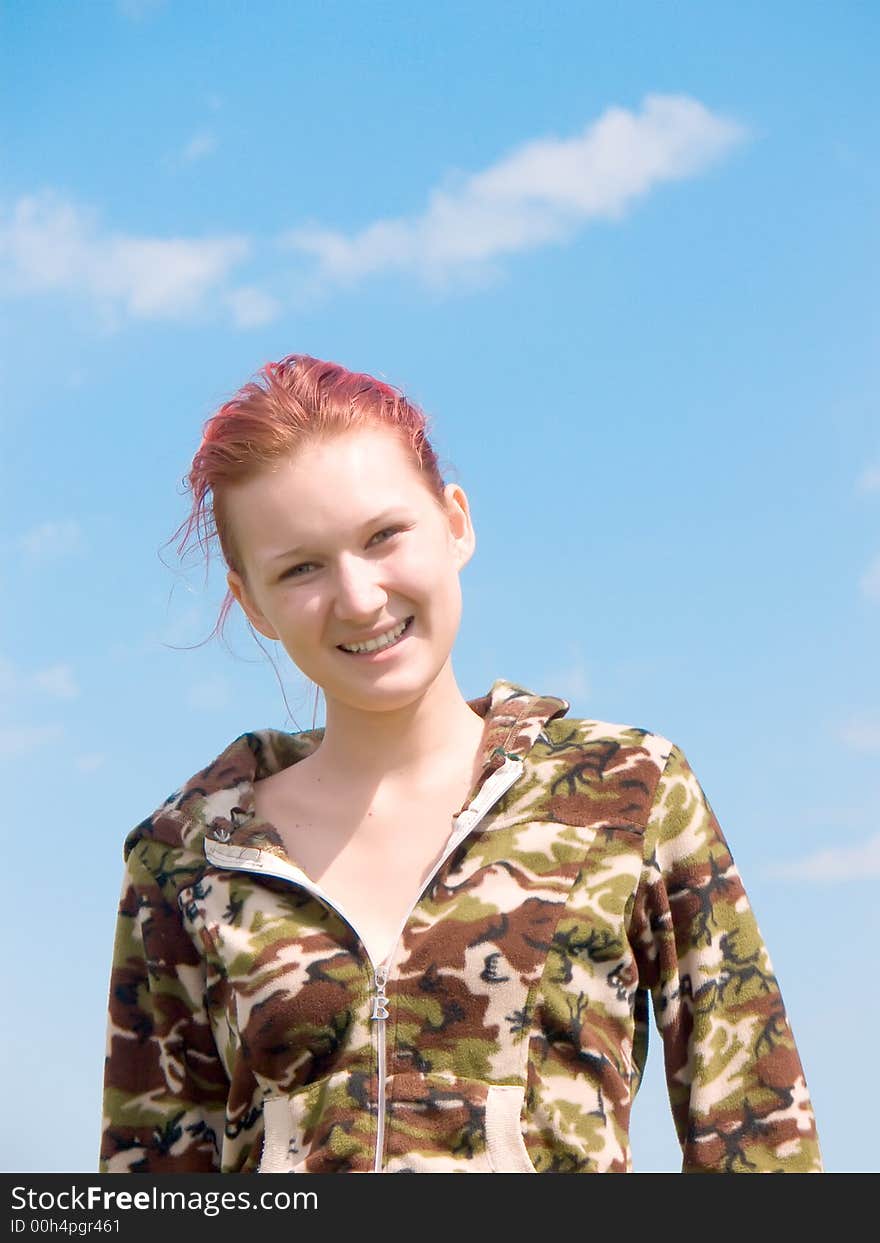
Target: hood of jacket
x=218 y=800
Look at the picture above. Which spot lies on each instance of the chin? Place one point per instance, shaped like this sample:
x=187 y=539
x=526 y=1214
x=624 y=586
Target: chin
x=397 y=689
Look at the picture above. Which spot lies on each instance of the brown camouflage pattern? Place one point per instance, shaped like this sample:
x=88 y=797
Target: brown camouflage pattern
x=597 y=888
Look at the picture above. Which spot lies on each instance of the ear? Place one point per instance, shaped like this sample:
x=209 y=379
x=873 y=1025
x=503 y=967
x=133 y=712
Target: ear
x=255 y=617
x=461 y=531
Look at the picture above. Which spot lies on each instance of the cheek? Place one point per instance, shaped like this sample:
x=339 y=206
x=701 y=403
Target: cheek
x=437 y=580
x=447 y=593
x=299 y=629
x=431 y=560
x=302 y=611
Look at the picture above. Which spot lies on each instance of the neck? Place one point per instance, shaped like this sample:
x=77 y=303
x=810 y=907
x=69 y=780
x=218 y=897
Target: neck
x=416 y=744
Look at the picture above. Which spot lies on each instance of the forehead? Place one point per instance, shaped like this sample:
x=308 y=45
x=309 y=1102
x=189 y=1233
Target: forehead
x=331 y=484
x=366 y=452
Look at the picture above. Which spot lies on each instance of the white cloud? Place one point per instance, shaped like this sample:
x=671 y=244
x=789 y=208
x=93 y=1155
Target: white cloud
x=211 y=694
x=58 y=680
x=51 y=539
x=164 y=278
x=19 y=740
x=869 y=583
x=251 y=308
x=90 y=762
x=542 y=192
x=199 y=145
x=839 y=863
x=50 y=244
x=869 y=480
x=862 y=733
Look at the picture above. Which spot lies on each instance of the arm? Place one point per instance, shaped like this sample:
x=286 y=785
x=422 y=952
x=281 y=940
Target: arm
x=164 y=1085
x=736 y=1085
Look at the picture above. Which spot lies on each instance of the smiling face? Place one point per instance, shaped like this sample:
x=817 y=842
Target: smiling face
x=343 y=541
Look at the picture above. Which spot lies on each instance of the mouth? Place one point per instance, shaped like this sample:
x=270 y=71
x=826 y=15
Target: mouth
x=385 y=647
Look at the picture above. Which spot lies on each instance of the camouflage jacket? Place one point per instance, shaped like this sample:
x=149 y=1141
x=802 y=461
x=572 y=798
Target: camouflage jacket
x=586 y=883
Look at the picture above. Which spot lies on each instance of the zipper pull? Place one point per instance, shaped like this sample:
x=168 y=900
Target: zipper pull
x=379 y=1001
x=493 y=787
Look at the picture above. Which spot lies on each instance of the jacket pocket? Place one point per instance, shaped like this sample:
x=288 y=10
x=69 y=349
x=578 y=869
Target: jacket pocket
x=505 y=1145
x=284 y=1125
x=441 y=1123
x=324 y=1127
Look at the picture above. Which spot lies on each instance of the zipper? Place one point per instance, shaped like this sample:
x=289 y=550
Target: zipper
x=250 y=859
x=380 y=1014
x=496 y=785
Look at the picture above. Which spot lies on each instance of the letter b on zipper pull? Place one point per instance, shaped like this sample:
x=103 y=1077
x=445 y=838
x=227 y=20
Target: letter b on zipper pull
x=379 y=1001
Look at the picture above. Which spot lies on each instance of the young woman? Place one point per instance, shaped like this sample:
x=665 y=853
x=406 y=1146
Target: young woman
x=426 y=937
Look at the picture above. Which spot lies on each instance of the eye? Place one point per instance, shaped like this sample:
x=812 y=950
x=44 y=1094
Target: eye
x=387 y=530
x=303 y=565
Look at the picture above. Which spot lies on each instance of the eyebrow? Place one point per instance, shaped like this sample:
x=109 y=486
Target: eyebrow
x=396 y=512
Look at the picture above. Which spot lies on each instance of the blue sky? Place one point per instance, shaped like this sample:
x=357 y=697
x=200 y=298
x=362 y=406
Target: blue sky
x=626 y=258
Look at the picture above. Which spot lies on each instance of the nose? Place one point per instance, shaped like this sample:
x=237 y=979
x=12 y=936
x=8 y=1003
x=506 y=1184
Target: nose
x=359 y=594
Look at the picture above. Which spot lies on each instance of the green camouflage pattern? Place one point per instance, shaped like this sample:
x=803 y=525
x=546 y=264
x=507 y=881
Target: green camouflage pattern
x=596 y=889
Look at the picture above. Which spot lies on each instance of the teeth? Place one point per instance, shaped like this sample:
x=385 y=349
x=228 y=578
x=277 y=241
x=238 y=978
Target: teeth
x=374 y=644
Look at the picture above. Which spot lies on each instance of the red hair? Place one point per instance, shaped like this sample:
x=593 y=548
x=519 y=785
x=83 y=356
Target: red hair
x=300 y=399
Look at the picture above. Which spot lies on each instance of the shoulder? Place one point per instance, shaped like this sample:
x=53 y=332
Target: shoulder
x=616 y=766
x=174 y=831
x=616 y=743
x=614 y=736
x=631 y=776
